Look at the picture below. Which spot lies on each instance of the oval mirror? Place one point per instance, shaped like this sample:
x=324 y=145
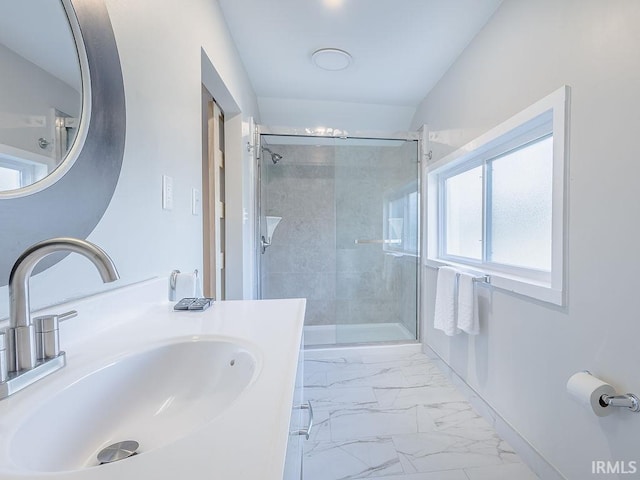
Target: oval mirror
x=71 y=200
x=40 y=92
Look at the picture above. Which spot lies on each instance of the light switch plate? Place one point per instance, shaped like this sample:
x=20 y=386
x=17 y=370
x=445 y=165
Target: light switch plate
x=196 y=200
x=167 y=192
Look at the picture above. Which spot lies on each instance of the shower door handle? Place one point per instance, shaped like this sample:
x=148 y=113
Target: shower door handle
x=386 y=241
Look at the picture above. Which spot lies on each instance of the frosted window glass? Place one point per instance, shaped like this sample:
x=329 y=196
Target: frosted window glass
x=9 y=178
x=463 y=214
x=521 y=194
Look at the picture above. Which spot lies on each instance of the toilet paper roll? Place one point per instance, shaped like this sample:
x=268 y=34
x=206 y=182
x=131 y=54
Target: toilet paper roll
x=187 y=285
x=587 y=390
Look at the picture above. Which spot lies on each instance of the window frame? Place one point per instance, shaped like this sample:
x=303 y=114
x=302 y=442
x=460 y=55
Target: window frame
x=548 y=116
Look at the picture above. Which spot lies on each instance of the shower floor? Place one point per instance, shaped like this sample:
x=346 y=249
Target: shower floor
x=356 y=333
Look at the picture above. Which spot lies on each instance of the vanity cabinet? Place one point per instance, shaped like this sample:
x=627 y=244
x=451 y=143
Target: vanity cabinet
x=299 y=426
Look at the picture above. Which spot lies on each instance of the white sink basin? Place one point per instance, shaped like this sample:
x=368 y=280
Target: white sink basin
x=153 y=397
x=139 y=370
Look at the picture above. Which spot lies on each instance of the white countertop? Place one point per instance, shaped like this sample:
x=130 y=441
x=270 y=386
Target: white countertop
x=247 y=441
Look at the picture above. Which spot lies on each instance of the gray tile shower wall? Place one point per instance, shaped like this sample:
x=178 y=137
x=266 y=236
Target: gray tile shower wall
x=301 y=259
x=328 y=197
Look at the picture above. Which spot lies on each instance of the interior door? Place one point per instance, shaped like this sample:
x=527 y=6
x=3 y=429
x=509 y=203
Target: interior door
x=213 y=193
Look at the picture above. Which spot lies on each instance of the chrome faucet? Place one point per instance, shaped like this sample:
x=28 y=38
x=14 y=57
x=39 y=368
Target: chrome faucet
x=23 y=365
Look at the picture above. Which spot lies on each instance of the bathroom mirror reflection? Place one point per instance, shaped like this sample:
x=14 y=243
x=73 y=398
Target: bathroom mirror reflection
x=40 y=90
x=70 y=201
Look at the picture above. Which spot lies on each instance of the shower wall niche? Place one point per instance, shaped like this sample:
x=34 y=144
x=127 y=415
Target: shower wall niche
x=348 y=238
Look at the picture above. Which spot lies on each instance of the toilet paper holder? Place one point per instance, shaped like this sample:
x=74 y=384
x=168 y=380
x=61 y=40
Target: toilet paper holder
x=172 y=280
x=627 y=400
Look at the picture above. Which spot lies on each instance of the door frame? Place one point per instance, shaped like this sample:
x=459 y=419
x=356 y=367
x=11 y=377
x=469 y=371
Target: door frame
x=213 y=197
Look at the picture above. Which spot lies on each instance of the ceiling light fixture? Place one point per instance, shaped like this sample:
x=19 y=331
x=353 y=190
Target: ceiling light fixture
x=333 y=3
x=332 y=59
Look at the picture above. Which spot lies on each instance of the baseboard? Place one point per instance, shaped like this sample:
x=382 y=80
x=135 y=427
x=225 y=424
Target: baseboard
x=529 y=455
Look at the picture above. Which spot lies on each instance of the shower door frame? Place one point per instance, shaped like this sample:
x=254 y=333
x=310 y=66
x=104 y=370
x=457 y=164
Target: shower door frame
x=420 y=136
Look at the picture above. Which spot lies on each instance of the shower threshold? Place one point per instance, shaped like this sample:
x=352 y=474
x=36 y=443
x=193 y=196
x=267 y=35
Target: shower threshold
x=354 y=334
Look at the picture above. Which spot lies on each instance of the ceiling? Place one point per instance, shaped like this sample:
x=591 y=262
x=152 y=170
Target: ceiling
x=400 y=48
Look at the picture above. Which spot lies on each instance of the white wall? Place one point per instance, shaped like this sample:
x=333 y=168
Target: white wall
x=527 y=350
x=27 y=95
x=160 y=45
x=352 y=117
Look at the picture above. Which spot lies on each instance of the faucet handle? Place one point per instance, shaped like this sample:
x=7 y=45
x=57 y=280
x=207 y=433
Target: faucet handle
x=47 y=334
x=67 y=315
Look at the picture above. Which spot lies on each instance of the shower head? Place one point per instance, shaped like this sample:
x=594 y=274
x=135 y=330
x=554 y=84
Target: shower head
x=275 y=157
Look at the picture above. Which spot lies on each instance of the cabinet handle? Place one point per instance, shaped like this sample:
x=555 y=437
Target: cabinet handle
x=305 y=431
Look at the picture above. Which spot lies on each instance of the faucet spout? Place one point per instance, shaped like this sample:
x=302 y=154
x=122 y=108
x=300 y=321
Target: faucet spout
x=22 y=355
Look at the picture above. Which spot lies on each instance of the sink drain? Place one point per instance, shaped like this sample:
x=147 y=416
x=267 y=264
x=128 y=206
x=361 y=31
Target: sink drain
x=118 y=451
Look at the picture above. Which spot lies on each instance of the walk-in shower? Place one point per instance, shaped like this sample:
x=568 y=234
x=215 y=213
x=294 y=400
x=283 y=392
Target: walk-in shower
x=340 y=219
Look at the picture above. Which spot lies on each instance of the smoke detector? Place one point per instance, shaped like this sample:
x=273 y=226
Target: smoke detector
x=332 y=59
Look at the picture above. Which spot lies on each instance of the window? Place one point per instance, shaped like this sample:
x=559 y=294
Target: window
x=15 y=174
x=401 y=220
x=10 y=178
x=462 y=209
x=520 y=206
x=497 y=204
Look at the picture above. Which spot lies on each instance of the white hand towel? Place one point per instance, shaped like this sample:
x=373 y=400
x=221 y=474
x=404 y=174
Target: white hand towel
x=445 y=315
x=467 y=305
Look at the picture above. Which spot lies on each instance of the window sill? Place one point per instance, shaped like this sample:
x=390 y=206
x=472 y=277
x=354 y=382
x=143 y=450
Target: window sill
x=522 y=286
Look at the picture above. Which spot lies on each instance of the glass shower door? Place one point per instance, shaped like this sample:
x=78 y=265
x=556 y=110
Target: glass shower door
x=299 y=261
x=377 y=239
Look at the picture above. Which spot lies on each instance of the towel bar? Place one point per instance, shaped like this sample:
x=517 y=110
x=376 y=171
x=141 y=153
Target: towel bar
x=483 y=279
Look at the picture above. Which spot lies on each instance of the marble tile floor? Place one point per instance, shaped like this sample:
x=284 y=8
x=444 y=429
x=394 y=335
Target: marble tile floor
x=389 y=416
